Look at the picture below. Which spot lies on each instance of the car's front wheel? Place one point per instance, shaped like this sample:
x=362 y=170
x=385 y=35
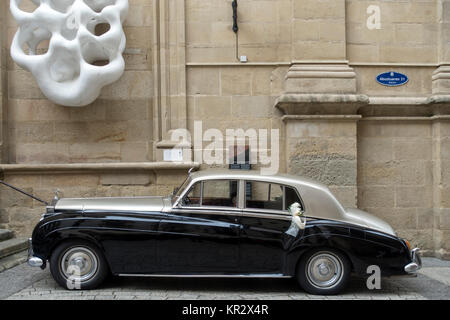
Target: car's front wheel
x=78 y=265
x=324 y=272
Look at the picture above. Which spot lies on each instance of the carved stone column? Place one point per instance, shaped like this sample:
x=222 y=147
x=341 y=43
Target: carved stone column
x=320 y=100
x=3 y=82
x=441 y=77
x=319 y=64
x=170 y=74
x=441 y=136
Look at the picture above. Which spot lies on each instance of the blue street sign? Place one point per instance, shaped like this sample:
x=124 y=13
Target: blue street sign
x=392 y=79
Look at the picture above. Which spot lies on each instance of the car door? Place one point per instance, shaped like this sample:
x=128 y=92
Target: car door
x=201 y=235
x=265 y=220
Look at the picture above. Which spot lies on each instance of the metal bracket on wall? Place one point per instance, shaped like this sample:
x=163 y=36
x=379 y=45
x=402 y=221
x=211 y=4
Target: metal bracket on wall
x=234 y=4
x=23 y=192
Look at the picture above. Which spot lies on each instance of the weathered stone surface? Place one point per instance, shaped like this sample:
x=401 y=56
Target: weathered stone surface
x=5 y=234
x=128 y=179
x=9 y=247
x=20 y=213
x=308 y=51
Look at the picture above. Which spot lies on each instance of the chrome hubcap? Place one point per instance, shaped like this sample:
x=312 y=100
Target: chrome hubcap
x=79 y=263
x=324 y=270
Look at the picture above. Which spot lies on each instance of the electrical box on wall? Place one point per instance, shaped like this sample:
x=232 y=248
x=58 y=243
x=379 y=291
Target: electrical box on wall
x=174 y=155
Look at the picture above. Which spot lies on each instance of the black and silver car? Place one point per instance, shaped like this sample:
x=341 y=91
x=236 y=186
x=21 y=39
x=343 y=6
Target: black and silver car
x=219 y=224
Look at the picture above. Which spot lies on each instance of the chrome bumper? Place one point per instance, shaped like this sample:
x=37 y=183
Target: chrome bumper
x=416 y=261
x=32 y=260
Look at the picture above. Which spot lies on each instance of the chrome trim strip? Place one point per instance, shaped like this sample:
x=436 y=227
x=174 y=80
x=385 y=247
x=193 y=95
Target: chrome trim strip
x=409 y=275
x=205 y=275
x=267 y=216
x=210 y=208
x=252 y=214
x=206 y=212
x=241 y=194
x=267 y=211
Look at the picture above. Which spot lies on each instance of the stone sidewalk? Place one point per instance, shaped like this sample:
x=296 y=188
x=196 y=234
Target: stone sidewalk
x=25 y=283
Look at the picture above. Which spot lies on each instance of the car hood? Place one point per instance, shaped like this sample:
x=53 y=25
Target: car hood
x=362 y=218
x=111 y=204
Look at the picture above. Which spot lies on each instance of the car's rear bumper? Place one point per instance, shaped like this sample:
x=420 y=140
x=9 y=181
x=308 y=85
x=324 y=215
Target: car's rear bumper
x=416 y=262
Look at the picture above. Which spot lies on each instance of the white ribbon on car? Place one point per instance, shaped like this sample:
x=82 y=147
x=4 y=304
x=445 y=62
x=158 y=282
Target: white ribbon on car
x=298 y=219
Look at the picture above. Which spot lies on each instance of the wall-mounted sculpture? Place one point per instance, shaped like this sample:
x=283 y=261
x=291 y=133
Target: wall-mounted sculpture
x=85 y=45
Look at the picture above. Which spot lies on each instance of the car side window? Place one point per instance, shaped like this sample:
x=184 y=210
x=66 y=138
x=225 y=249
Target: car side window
x=291 y=197
x=214 y=193
x=193 y=197
x=220 y=193
x=264 y=195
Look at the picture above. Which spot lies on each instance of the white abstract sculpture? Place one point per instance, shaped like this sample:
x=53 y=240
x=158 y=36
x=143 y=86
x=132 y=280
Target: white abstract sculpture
x=78 y=63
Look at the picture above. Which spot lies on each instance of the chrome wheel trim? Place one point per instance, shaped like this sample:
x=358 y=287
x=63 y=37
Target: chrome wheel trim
x=79 y=264
x=324 y=270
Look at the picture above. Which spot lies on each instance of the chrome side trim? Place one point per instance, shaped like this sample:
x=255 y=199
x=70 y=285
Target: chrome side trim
x=267 y=216
x=205 y=275
x=206 y=212
x=239 y=213
x=407 y=276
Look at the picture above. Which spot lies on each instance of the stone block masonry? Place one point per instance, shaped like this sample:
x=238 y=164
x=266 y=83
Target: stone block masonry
x=310 y=74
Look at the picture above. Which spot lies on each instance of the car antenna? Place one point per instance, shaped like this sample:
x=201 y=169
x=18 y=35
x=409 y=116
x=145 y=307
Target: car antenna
x=23 y=192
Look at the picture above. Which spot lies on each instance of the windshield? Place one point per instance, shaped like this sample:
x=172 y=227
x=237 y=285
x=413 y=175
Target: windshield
x=177 y=192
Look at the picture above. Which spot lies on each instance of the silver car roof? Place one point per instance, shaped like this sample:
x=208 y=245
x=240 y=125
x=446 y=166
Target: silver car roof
x=280 y=178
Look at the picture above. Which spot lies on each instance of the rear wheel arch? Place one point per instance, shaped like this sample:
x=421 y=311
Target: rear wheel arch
x=316 y=241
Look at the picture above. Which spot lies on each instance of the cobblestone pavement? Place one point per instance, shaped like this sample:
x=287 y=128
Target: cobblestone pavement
x=23 y=282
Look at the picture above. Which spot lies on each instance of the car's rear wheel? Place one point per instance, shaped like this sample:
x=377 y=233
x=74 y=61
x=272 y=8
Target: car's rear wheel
x=78 y=265
x=324 y=272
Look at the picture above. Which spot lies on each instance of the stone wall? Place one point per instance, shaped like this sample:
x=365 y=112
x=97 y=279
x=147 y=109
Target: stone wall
x=325 y=149
x=441 y=190
x=408 y=33
x=310 y=73
x=3 y=84
x=235 y=98
x=117 y=127
x=20 y=213
x=264 y=36
x=395 y=175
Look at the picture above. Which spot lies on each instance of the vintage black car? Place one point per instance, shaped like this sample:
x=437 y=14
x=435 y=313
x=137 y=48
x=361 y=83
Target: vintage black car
x=219 y=224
